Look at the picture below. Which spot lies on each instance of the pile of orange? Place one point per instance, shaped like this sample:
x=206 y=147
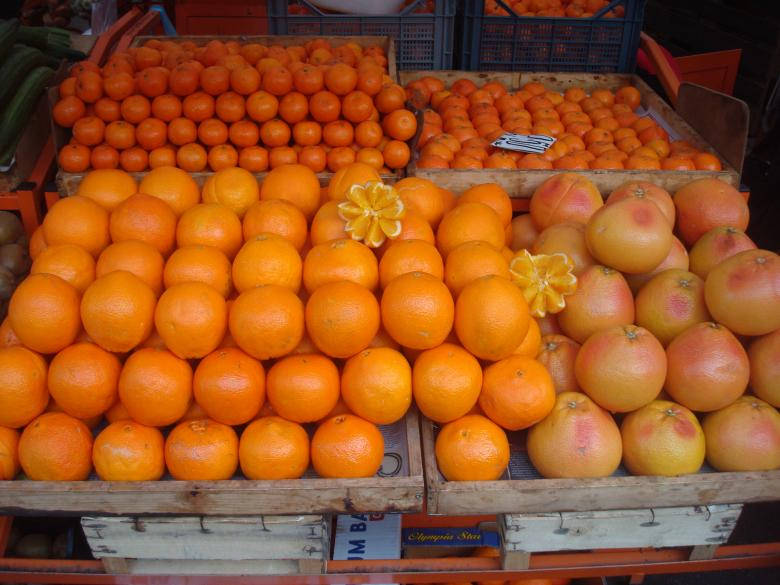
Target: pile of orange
x=171 y=103
x=555 y=8
x=596 y=131
x=180 y=314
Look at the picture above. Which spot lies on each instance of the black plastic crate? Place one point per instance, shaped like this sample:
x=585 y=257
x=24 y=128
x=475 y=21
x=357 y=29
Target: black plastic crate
x=522 y=43
x=422 y=41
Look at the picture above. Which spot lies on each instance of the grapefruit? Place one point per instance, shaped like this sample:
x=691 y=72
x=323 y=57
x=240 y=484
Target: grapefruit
x=662 y=438
x=764 y=355
x=743 y=292
x=567 y=237
x=707 y=367
x=632 y=235
x=564 y=197
x=524 y=232
x=648 y=191
x=715 y=246
x=577 y=439
x=676 y=258
x=557 y=353
x=704 y=204
x=621 y=368
x=670 y=303
x=602 y=300
x=744 y=436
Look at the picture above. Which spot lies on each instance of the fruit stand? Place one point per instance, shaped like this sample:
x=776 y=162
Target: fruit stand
x=284 y=287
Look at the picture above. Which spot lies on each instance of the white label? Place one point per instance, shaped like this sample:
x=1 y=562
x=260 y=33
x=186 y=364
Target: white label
x=533 y=143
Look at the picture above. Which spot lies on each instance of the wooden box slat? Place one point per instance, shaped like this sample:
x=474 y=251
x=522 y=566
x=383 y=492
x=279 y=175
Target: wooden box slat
x=229 y=497
x=522 y=183
x=583 y=495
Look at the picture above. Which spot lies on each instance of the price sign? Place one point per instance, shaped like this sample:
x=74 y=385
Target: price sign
x=534 y=143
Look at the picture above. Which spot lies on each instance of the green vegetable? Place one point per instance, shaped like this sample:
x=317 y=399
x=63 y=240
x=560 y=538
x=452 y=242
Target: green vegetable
x=15 y=68
x=18 y=111
x=65 y=53
x=9 y=29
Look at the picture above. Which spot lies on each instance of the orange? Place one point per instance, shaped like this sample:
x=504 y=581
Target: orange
x=406 y=256
x=117 y=311
x=229 y=386
x=147 y=219
x=531 y=342
x=191 y=318
x=174 y=186
x=77 y=220
x=210 y=224
x=303 y=388
x=376 y=384
x=472 y=448
x=517 y=392
x=202 y=264
x=276 y=216
x=71 y=263
x=201 y=450
x=155 y=387
x=469 y=222
x=621 y=368
x=83 y=380
x=128 y=451
x=471 y=260
x=342 y=318
x=236 y=188
x=294 y=183
x=117 y=412
x=423 y=197
x=107 y=187
x=446 y=381
x=139 y=258
x=340 y=260
x=56 y=447
x=327 y=225
x=355 y=173
x=492 y=195
x=400 y=124
x=491 y=317
x=744 y=436
x=707 y=367
x=44 y=313
x=559 y=447
x=267 y=321
x=37 y=242
x=267 y=259
x=347 y=446
x=23 y=391
x=417 y=310
x=662 y=438
x=273 y=448
x=9 y=454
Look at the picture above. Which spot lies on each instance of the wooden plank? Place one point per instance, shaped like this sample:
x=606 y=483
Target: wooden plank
x=582 y=495
x=640 y=528
x=402 y=493
x=208 y=538
x=703 y=552
x=216 y=567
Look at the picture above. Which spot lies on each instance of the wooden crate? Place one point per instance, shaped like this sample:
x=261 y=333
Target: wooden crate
x=392 y=490
x=530 y=493
x=522 y=183
x=214 y=545
x=67 y=183
x=702 y=527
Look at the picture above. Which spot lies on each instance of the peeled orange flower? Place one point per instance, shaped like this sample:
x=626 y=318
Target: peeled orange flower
x=373 y=213
x=545 y=280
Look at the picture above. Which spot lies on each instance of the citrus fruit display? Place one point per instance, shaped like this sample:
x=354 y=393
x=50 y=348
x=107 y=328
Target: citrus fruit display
x=556 y=8
x=226 y=104
x=603 y=130
x=271 y=328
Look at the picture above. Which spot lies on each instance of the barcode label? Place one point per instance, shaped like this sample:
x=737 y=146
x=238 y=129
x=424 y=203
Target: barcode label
x=533 y=143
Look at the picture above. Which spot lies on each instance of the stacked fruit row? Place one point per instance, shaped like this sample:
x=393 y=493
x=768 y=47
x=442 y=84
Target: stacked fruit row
x=654 y=353
x=554 y=8
x=171 y=103
x=597 y=131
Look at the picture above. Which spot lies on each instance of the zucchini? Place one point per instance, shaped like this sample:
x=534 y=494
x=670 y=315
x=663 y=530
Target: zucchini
x=65 y=53
x=15 y=68
x=42 y=37
x=9 y=29
x=18 y=111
